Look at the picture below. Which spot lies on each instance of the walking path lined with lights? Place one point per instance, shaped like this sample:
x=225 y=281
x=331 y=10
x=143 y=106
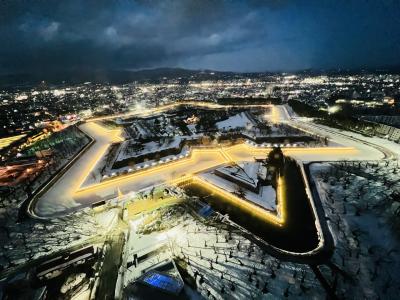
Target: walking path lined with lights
x=67 y=194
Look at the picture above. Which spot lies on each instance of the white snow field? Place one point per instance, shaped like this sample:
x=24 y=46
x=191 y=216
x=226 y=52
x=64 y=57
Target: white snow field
x=246 y=172
x=237 y=121
x=363 y=217
x=266 y=197
x=223 y=262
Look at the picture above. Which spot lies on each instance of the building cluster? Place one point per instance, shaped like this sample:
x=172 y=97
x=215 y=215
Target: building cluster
x=363 y=91
x=389 y=132
x=26 y=109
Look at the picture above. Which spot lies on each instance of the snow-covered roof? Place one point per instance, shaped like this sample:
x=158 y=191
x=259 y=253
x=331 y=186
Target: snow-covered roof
x=246 y=172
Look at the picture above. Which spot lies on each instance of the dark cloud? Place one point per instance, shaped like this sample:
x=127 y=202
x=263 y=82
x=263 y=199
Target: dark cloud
x=231 y=35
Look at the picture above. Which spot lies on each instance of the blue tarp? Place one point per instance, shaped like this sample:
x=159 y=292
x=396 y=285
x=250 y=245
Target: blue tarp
x=205 y=211
x=163 y=282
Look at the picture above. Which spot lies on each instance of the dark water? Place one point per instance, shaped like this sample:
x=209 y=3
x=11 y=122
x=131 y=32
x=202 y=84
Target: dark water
x=298 y=234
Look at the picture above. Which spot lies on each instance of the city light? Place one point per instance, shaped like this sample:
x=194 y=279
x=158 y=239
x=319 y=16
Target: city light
x=124 y=175
x=334 y=109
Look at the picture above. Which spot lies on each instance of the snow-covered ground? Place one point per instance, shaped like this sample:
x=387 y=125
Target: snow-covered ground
x=154 y=127
x=359 y=200
x=60 y=195
x=246 y=172
x=347 y=138
x=192 y=128
x=236 y=121
x=266 y=197
x=32 y=240
x=149 y=163
x=370 y=147
x=223 y=263
x=125 y=152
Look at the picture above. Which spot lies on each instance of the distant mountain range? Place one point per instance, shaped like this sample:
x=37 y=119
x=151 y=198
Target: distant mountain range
x=108 y=76
x=151 y=75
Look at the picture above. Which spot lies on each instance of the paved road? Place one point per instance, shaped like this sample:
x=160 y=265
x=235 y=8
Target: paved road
x=66 y=195
x=109 y=272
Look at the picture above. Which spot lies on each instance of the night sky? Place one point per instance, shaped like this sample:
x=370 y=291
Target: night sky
x=219 y=35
